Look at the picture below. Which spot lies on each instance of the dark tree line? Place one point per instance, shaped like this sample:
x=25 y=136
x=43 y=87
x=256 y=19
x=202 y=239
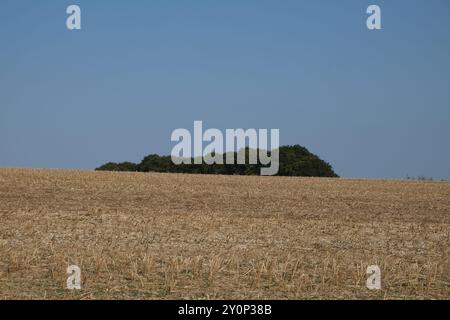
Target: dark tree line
x=293 y=161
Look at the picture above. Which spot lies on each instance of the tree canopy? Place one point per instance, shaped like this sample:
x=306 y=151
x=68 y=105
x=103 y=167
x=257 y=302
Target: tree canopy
x=293 y=161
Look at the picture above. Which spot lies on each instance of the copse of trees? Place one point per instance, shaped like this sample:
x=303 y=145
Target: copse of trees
x=123 y=166
x=294 y=161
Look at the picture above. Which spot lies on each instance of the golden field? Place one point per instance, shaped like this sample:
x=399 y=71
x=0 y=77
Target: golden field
x=170 y=236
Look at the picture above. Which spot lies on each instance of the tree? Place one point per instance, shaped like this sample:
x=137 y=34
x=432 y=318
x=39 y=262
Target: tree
x=294 y=161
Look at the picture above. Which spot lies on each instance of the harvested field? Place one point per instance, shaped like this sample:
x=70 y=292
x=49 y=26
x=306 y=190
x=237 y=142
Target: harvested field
x=170 y=236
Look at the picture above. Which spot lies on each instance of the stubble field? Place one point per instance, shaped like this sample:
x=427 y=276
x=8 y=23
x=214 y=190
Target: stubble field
x=170 y=236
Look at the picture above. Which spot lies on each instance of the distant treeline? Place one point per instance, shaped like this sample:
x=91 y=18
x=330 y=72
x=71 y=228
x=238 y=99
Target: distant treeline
x=293 y=161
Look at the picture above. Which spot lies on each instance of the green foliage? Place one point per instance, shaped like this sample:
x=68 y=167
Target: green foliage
x=298 y=161
x=124 y=166
x=294 y=161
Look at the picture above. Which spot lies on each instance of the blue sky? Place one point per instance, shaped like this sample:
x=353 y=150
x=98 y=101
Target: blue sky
x=372 y=103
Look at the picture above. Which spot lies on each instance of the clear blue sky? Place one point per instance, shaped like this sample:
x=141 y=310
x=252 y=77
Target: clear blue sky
x=372 y=103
